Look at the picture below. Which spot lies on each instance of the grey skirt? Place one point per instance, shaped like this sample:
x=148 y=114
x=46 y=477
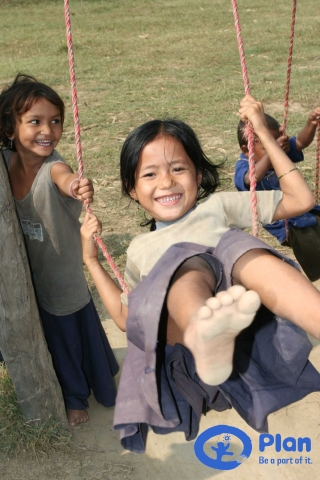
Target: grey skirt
x=159 y=386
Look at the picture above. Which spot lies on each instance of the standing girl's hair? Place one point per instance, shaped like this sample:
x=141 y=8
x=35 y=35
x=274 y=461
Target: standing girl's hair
x=18 y=99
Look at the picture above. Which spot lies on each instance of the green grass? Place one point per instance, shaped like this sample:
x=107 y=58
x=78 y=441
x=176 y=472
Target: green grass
x=18 y=436
x=144 y=59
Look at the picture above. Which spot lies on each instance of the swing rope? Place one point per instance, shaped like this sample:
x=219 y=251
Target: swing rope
x=286 y=105
x=283 y=128
x=249 y=129
x=316 y=190
x=98 y=239
x=286 y=102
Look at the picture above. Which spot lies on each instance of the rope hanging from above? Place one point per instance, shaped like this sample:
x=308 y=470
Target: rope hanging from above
x=249 y=129
x=283 y=127
x=78 y=140
x=316 y=190
x=286 y=102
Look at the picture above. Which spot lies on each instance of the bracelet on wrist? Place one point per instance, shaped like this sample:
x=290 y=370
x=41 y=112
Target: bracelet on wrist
x=289 y=171
x=71 y=188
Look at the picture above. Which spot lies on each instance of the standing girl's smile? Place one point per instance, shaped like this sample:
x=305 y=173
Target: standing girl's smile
x=38 y=131
x=166 y=179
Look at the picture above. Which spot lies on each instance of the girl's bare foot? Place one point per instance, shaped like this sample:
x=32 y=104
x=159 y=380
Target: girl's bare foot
x=212 y=332
x=75 y=417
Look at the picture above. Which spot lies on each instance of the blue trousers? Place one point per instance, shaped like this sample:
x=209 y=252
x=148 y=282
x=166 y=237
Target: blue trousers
x=81 y=356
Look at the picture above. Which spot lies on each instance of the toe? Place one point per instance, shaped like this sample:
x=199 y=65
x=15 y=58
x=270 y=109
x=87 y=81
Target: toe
x=76 y=417
x=249 y=302
x=225 y=298
x=204 y=312
x=236 y=291
x=213 y=303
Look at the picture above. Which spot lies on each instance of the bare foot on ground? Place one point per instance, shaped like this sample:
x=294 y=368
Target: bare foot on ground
x=211 y=334
x=75 y=417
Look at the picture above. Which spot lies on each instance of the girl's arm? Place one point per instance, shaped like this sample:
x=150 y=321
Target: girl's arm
x=297 y=197
x=262 y=166
x=69 y=184
x=109 y=292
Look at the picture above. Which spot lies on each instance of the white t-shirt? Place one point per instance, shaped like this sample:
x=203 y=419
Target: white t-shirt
x=204 y=225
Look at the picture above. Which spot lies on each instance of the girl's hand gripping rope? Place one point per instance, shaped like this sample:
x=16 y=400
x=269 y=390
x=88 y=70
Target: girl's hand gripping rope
x=90 y=228
x=251 y=110
x=82 y=189
x=314 y=116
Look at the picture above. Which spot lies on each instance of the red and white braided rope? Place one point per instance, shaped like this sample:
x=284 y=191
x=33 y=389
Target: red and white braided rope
x=316 y=191
x=286 y=102
x=78 y=139
x=283 y=127
x=252 y=169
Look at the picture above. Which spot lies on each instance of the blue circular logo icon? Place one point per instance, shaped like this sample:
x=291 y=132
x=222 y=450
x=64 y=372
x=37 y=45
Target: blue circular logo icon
x=222 y=451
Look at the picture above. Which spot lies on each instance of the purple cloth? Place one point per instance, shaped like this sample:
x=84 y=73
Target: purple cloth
x=159 y=386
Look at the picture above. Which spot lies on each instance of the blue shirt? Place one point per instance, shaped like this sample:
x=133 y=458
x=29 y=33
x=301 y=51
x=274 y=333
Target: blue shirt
x=270 y=182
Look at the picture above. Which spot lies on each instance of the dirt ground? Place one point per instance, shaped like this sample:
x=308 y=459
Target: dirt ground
x=98 y=454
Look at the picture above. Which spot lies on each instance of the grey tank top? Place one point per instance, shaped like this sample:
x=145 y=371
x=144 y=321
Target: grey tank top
x=51 y=227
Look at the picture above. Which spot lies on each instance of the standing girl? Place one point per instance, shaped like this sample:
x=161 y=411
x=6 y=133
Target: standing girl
x=48 y=198
x=192 y=341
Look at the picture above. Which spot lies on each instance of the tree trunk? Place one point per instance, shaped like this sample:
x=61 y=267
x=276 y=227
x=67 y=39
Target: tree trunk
x=22 y=341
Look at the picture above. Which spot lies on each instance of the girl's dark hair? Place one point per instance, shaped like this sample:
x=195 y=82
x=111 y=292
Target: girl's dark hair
x=19 y=98
x=147 y=132
x=272 y=124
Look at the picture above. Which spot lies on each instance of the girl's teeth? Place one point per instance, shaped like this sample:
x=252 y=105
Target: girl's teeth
x=44 y=143
x=168 y=199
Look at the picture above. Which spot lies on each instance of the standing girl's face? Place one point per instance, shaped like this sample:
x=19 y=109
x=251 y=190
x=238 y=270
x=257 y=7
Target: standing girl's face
x=38 y=131
x=166 y=181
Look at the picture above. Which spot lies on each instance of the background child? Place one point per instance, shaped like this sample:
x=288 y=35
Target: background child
x=304 y=230
x=48 y=198
x=184 y=315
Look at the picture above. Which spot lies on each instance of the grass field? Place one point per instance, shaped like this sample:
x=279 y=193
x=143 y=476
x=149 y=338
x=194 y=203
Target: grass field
x=137 y=60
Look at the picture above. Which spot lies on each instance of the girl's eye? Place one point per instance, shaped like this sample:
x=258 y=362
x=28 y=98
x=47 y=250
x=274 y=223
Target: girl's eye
x=178 y=169
x=150 y=174
x=56 y=121
x=34 y=122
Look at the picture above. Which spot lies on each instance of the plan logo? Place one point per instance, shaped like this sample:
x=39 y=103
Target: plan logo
x=222 y=450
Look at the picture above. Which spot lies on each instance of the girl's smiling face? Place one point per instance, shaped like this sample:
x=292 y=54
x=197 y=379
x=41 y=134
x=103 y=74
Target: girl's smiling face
x=166 y=181
x=38 y=131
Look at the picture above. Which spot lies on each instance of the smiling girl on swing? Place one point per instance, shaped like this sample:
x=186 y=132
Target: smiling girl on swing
x=216 y=317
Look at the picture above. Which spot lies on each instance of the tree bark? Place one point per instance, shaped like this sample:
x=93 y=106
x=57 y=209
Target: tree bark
x=22 y=341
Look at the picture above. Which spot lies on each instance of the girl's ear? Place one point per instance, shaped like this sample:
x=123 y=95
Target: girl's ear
x=199 y=179
x=244 y=150
x=133 y=195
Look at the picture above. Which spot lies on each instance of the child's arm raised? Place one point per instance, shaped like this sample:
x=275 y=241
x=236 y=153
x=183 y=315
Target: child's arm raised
x=297 y=197
x=261 y=168
x=306 y=136
x=69 y=184
x=109 y=292
x=264 y=164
